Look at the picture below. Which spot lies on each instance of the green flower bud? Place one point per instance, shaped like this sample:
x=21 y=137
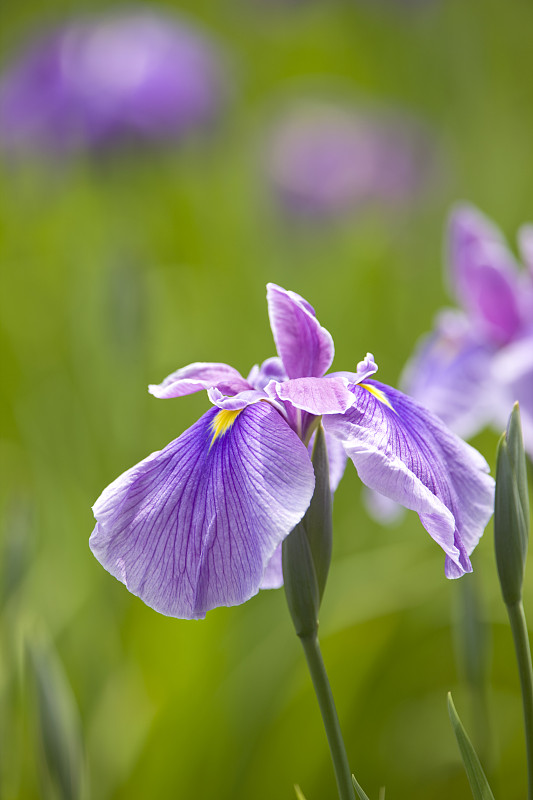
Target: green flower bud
x=306 y=552
x=511 y=511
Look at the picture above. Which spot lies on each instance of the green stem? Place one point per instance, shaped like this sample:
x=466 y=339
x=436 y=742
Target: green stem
x=523 y=657
x=322 y=688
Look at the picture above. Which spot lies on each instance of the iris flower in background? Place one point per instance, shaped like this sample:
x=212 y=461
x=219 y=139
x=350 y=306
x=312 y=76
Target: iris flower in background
x=139 y=75
x=199 y=524
x=479 y=359
x=325 y=160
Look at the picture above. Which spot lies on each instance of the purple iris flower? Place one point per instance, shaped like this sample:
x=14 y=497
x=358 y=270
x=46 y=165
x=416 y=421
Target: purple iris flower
x=136 y=74
x=325 y=160
x=479 y=360
x=200 y=523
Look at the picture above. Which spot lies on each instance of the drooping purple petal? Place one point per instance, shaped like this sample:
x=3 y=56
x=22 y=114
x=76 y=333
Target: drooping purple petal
x=193 y=526
x=198 y=376
x=304 y=346
x=485 y=276
x=403 y=451
x=450 y=374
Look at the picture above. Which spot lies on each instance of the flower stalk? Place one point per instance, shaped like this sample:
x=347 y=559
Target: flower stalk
x=330 y=718
x=306 y=556
x=511 y=534
x=517 y=619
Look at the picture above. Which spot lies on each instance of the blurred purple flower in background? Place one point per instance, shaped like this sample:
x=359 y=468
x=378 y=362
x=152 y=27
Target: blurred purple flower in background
x=200 y=524
x=325 y=160
x=139 y=74
x=479 y=360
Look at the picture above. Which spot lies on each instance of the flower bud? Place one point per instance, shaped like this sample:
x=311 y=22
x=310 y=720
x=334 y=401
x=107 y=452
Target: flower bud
x=306 y=551
x=511 y=512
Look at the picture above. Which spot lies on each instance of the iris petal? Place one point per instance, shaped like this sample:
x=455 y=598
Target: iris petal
x=198 y=376
x=315 y=395
x=450 y=374
x=485 y=275
x=194 y=526
x=304 y=346
x=409 y=455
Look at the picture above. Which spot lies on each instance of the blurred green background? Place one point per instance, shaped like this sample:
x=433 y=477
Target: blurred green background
x=116 y=271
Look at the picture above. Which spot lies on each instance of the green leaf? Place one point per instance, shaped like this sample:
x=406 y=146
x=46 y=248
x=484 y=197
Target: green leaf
x=299 y=794
x=359 y=790
x=58 y=722
x=478 y=781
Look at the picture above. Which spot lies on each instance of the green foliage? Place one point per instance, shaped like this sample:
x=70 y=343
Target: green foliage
x=478 y=781
x=115 y=271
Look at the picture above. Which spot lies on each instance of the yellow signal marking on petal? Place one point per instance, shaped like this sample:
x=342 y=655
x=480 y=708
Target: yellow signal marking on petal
x=222 y=422
x=381 y=396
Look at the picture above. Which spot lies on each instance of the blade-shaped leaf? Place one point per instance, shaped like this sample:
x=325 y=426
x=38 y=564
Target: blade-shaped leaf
x=477 y=778
x=362 y=795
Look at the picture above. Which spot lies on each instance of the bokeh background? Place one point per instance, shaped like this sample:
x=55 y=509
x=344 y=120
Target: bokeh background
x=126 y=260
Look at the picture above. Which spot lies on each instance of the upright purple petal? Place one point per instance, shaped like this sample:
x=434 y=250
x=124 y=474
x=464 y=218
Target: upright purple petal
x=198 y=376
x=194 y=526
x=403 y=451
x=304 y=346
x=484 y=275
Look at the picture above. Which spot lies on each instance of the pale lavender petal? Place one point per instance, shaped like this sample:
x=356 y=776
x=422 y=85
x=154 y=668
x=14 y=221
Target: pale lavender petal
x=403 y=451
x=273 y=575
x=193 y=527
x=304 y=346
x=484 y=275
x=238 y=401
x=316 y=395
x=198 y=376
x=365 y=369
x=450 y=374
x=512 y=375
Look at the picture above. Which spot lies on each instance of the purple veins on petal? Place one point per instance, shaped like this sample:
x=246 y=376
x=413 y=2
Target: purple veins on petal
x=410 y=456
x=304 y=346
x=193 y=526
